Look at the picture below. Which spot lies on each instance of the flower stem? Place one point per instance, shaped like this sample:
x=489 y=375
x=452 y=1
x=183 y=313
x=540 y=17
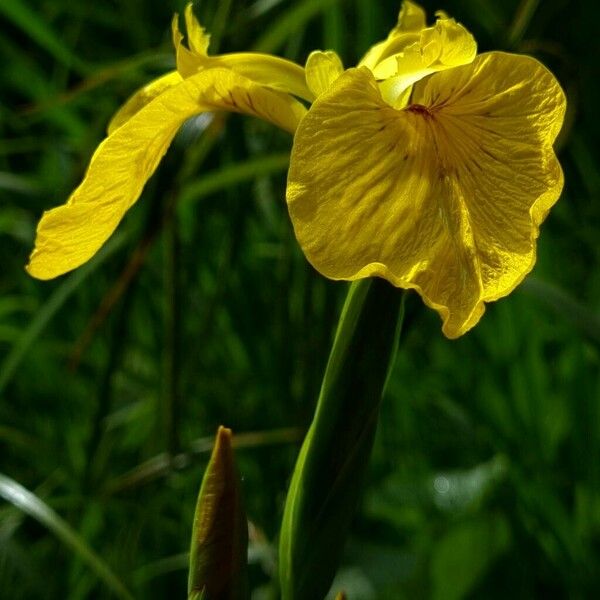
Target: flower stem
x=333 y=460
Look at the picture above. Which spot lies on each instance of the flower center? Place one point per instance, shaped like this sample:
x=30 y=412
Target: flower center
x=420 y=110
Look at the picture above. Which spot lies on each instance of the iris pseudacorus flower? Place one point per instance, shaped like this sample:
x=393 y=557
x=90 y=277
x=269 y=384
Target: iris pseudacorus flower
x=428 y=164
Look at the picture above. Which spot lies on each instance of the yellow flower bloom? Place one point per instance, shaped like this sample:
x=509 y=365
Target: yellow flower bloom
x=429 y=166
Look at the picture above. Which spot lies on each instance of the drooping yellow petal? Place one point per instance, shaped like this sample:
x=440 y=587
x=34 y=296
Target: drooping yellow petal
x=69 y=235
x=322 y=69
x=445 y=196
x=143 y=96
x=270 y=71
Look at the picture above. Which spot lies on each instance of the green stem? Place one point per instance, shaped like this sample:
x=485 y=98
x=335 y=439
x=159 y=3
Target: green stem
x=333 y=460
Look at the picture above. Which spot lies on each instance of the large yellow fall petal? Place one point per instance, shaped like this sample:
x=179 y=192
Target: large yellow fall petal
x=271 y=71
x=445 y=196
x=143 y=96
x=69 y=235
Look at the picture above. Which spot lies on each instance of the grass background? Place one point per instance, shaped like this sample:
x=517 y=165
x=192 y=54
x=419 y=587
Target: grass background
x=485 y=480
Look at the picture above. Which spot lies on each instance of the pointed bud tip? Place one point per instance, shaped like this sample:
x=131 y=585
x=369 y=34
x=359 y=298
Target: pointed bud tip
x=222 y=453
x=224 y=438
x=223 y=432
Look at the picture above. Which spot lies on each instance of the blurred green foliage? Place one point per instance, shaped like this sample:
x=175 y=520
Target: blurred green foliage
x=485 y=482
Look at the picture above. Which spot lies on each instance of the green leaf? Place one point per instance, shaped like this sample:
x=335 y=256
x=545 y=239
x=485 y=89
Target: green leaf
x=586 y=320
x=290 y=22
x=327 y=478
x=61 y=294
x=33 y=506
x=521 y=21
x=219 y=549
x=465 y=554
x=26 y=19
x=231 y=175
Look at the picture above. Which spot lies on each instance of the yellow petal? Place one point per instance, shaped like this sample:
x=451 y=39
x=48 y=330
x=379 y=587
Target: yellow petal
x=188 y=61
x=411 y=20
x=386 y=49
x=322 y=69
x=271 y=71
x=142 y=97
x=69 y=235
x=447 y=44
x=197 y=38
x=445 y=196
x=413 y=51
x=444 y=46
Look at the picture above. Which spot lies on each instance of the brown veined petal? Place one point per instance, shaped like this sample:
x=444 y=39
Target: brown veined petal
x=445 y=196
x=71 y=234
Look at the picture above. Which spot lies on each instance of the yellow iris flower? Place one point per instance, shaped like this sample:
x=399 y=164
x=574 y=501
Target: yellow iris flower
x=427 y=164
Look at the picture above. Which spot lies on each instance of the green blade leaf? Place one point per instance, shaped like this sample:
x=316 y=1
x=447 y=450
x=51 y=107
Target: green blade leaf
x=326 y=482
x=27 y=19
x=463 y=556
x=16 y=355
x=231 y=175
x=291 y=21
x=31 y=505
x=219 y=549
